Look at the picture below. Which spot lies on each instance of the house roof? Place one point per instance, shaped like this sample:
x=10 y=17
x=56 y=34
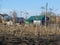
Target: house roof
x=36 y=18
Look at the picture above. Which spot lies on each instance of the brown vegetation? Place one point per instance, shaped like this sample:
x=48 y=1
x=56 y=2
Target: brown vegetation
x=30 y=29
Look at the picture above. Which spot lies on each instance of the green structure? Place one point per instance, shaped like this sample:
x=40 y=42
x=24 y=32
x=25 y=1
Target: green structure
x=41 y=18
x=35 y=18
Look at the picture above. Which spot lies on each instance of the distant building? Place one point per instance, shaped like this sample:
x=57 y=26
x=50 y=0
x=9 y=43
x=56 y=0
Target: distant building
x=40 y=18
x=4 y=18
x=3 y=15
x=20 y=20
x=7 y=18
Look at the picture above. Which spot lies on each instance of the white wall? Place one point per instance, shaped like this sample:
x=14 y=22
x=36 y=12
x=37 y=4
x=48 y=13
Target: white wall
x=9 y=23
x=38 y=22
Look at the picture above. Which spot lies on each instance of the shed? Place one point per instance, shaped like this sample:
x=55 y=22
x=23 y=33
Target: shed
x=41 y=18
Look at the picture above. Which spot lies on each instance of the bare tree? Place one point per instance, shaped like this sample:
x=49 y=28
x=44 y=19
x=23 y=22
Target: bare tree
x=14 y=16
x=26 y=13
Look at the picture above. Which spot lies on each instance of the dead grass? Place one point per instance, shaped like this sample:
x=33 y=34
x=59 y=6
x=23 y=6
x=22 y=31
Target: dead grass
x=30 y=29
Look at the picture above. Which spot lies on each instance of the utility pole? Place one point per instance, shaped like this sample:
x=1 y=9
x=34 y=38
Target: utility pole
x=46 y=16
x=50 y=9
x=46 y=8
